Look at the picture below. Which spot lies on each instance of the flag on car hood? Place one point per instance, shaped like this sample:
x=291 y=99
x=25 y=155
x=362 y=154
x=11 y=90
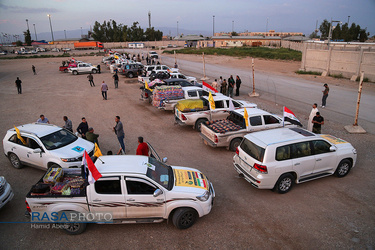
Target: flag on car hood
x=208 y=87
x=211 y=100
x=94 y=174
x=289 y=116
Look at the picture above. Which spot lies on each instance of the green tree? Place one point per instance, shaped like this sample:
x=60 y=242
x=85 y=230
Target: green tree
x=136 y=32
x=314 y=35
x=234 y=33
x=324 y=29
x=18 y=43
x=98 y=32
x=27 y=37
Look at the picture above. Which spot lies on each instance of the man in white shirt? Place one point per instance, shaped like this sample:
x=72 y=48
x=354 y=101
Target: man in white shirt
x=312 y=114
x=42 y=119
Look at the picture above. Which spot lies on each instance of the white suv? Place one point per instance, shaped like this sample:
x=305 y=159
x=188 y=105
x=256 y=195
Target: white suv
x=278 y=158
x=45 y=146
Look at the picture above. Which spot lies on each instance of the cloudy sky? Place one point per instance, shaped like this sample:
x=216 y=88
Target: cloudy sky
x=192 y=15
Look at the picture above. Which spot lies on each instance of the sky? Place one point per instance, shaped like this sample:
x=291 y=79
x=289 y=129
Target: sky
x=193 y=16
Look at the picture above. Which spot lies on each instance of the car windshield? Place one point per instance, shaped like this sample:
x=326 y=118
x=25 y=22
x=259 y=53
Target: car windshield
x=58 y=139
x=160 y=173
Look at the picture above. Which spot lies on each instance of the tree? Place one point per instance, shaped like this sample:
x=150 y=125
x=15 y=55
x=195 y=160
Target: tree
x=314 y=35
x=324 y=29
x=234 y=33
x=18 y=43
x=27 y=37
x=343 y=32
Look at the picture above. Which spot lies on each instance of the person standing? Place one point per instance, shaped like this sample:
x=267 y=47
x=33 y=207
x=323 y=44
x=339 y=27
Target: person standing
x=224 y=87
x=68 y=124
x=33 y=68
x=142 y=148
x=325 y=95
x=98 y=67
x=311 y=117
x=104 y=89
x=83 y=127
x=119 y=131
x=230 y=86
x=238 y=84
x=42 y=119
x=318 y=121
x=214 y=84
x=91 y=136
x=18 y=85
x=91 y=80
x=115 y=77
x=220 y=84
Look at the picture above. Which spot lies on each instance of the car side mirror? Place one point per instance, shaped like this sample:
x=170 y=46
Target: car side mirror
x=37 y=151
x=165 y=159
x=332 y=149
x=157 y=193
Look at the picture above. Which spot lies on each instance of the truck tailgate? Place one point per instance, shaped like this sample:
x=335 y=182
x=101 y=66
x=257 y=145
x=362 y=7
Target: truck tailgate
x=208 y=133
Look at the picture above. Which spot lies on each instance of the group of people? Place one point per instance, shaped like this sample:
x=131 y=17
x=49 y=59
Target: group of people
x=316 y=121
x=89 y=134
x=226 y=87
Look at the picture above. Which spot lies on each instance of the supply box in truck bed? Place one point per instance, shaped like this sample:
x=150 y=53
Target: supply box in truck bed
x=162 y=93
x=191 y=105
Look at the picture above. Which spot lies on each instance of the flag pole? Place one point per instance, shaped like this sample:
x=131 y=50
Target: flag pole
x=283 y=116
x=253 y=94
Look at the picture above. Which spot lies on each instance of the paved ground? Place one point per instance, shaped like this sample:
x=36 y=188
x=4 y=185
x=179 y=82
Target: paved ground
x=329 y=213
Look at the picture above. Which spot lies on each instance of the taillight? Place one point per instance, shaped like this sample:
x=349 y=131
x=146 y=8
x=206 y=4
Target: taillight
x=183 y=117
x=216 y=139
x=146 y=95
x=28 y=207
x=237 y=151
x=260 y=168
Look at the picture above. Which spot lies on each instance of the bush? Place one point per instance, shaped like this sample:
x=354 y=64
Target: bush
x=302 y=72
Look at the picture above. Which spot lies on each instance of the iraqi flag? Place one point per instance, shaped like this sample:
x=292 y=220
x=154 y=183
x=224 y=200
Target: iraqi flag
x=94 y=174
x=208 y=87
x=289 y=116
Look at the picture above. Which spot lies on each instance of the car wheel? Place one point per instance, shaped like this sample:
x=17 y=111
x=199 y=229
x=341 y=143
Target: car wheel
x=284 y=184
x=54 y=165
x=234 y=144
x=15 y=161
x=75 y=72
x=184 y=218
x=198 y=124
x=343 y=168
x=130 y=75
x=65 y=70
x=74 y=228
x=94 y=71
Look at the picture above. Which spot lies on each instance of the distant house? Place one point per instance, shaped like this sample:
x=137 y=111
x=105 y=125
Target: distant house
x=136 y=45
x=239 y=41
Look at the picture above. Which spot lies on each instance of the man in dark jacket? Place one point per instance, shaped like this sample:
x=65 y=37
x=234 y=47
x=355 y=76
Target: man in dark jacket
x=83 y=127
x=230 y=86
x=18 y=85
x=91 y=136
x=238 y=84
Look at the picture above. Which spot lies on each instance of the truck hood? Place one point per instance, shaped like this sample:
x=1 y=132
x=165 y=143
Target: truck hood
x=75 y=149
x=189 y=180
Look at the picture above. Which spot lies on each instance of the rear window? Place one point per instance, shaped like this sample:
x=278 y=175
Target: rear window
x=252 y=149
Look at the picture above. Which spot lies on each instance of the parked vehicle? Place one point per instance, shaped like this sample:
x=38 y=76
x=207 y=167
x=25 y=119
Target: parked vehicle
x=131 y=70
x=40 y=49
x=83 y=68
x=279 y=158
x=230 y=132
x=66 y=49
x=55 y=50
x=88 y=45
x=199 y=111
x=6 y=192
x=153 y=54
x=134 y=189
x=44 y=146
x=182 y=76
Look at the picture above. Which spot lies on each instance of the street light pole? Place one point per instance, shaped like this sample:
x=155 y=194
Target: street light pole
x=27 y=22
x=36 y=37
x=213 y=25
x=348 y=20
x=177 y=28
x=50 y=24
x=81 y=32
x=65 y=34
x=232 y=26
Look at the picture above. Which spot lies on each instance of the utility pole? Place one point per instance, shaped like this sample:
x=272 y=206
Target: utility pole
x=232 y=26
x=36 y=37
x=149 y=19
x=50 y=24
x=27 y=22
x=267 y=25
x=213 y=25
x=348 y=20
x=177 y=28
x=65 y=34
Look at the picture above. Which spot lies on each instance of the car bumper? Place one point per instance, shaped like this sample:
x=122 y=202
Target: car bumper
x=179 y=122
x=6 y=196
x=208 y=141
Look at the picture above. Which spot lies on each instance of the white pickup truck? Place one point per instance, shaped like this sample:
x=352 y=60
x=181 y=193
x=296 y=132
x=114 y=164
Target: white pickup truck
x=230 y=132
x=195 y=117
x=132 y=189
x=182 y=76
x=83 y=68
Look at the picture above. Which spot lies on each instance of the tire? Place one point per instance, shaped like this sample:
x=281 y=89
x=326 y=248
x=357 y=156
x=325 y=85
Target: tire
x=74 y=228
x=198 y=124
x=284 y=184
x=130 y=75
x=75 y=72
x=234 y=144
x=184 y=218
x=54 y=165
x=343 y=168
x=15 y=161
x=94 y=71
x=65 y=70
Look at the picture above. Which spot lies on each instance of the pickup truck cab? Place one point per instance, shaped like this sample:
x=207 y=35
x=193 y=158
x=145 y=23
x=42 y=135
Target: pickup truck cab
x=46 y=145
x=83 y=68
x=132 y=189
x=230 y=132
x=197 y=116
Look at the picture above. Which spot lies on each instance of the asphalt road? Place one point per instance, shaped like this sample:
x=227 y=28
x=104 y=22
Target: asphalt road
x=329 y=213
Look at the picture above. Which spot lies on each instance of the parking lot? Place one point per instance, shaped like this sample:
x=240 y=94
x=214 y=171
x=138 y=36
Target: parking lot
x=329 y=213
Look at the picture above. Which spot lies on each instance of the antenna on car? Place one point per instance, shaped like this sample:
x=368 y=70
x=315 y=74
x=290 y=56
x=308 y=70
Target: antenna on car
x=100 y=160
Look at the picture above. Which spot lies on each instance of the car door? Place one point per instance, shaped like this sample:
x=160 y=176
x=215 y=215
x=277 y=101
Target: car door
x=35 y=158
x=271 y=121
x=303 y=159
x=220 y=111
x=106 y=195
x=255 y=123
x=19 y=148
x=325 y=160
x=140 y=200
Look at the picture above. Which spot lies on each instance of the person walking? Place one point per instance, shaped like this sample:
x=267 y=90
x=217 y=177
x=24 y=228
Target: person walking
x=83 y=127
x=230 y=86
x=311 y=117
x=142 y=148
x=18 y=85
x=325 y=95
x=104 y=89
x=238 y=84
x=68 y=124
x=98 y=67
x=214 y=84
x=115 y=77
x=119 y=131
x=91 y=80
x=91 y=136
x=224 y=87
x=33 y=68
x=318 y=121
x=42 y=119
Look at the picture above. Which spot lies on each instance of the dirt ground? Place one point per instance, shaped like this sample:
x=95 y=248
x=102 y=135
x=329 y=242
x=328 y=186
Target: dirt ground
x=329 y=213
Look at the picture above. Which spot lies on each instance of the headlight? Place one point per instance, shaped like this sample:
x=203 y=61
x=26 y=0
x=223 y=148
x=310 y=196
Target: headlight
x=354 y=151
x=204 y=196
x=69 y=159
x=2 y=181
